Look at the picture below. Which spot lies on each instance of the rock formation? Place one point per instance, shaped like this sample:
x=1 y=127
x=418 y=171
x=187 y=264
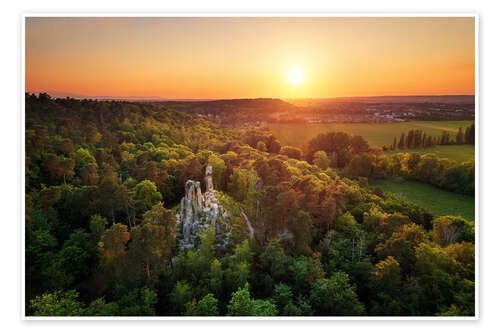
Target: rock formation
x=208 y=178
x=198 y=211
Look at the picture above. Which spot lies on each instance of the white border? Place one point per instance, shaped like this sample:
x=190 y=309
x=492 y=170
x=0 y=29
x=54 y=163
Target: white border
x=241 y=15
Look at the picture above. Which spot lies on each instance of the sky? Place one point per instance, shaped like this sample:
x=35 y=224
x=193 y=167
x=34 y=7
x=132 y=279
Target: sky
x=208 y=58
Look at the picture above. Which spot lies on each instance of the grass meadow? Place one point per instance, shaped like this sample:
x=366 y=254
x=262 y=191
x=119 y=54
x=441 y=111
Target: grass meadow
x=436 y=201
x=377 y=134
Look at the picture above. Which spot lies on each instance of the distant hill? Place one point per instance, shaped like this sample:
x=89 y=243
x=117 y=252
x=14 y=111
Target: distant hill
x=235 y=110
x=245 y=103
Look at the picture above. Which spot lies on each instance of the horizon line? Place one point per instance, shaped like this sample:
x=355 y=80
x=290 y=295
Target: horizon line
x=158 y=98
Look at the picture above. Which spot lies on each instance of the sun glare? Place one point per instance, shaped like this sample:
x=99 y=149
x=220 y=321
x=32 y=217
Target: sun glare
x=295 y=76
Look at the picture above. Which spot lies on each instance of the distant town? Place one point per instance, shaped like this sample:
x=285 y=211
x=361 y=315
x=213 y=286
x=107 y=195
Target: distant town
x=338 y=110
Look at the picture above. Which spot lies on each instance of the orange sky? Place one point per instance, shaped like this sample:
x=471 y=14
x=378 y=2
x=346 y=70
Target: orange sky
x=249 y=57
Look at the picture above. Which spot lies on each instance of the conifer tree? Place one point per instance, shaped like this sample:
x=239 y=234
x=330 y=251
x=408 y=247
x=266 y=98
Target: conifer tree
x=460 y=137
x=401 y=144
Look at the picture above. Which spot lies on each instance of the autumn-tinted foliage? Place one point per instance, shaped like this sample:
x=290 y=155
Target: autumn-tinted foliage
x=103 y=184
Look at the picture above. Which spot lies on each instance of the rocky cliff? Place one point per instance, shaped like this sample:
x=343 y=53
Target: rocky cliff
x=200 y=210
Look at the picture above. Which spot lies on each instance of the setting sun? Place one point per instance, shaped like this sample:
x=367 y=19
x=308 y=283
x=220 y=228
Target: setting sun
x=145 y=58
x=262 y=165
x=295 y=76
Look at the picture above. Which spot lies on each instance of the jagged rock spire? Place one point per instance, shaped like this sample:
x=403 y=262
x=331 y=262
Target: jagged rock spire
x=208 y=178
x=198 y=211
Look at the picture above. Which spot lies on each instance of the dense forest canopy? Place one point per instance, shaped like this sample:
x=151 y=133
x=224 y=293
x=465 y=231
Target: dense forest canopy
x=304 y=232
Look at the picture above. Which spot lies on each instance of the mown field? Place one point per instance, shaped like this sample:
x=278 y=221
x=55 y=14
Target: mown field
x=377 y=134
x=433 y=199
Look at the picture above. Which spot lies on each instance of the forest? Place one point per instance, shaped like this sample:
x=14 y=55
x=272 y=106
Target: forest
x=136 y=209
x=415 y=139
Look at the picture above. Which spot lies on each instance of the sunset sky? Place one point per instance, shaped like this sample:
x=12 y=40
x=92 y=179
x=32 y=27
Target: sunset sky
x=190 y=58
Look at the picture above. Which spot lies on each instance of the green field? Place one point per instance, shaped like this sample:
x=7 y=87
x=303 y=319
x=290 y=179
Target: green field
x=377 y=134
x=460 y=153
x=436 y=201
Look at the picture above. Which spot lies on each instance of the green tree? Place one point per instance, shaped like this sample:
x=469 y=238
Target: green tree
x=291 y=152
x=180 y=296
x=57 y=304
x=335 y=296
x=243 y=253
x=274 y=260
x=386 y=286
x=241 y=304
x=146 y=195
x=216 y=277
x=401 y=245
x=301 y=226
x=460 y=137
x=97 y=227
x=159 y=215
x=388 y=276
x=149 y=250
x=304 y=272
x=112 y=196
x=218 y=166
x=50 y=195
x=261 y=146
x=238 y=185
x=282 y=296
x=138 y=302
x=443 y=282
x=359 y=145
x=86 y=166
x=273 y=145
x=112 y=250
x=99 y=307
x=321 y=160
x=402 y=142
x=254 y=196
x=207 y=306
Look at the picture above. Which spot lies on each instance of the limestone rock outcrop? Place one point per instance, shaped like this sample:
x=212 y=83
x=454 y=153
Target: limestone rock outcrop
x=208 y=178
x=191 y=204
x=200 y=210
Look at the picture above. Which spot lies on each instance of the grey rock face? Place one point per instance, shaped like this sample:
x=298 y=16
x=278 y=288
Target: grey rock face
x=200 y=210
x=191 y=204
x=208 y=178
